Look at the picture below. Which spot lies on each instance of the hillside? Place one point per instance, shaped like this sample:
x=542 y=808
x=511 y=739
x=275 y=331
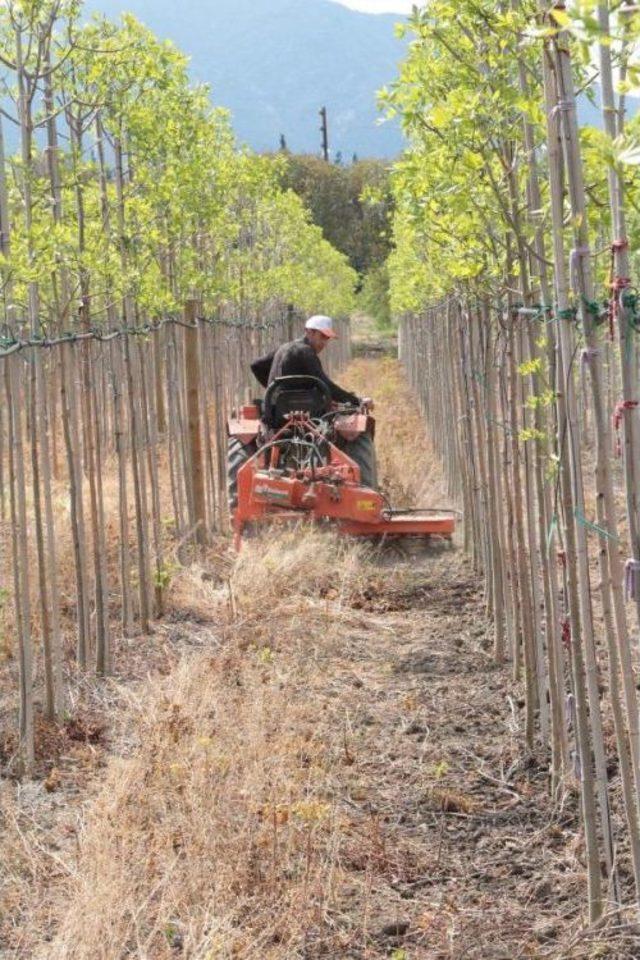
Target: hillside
x=274 y=63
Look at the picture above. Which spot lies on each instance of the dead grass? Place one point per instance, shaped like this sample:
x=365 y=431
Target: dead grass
x=295 y=565
x=408 y=469
x=314 y=757
x=214 y=839
x=218 y=835
x=65 y=566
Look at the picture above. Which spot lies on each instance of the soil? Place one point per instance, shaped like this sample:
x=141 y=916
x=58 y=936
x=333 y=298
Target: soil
x=456 y=850
x=450 y=845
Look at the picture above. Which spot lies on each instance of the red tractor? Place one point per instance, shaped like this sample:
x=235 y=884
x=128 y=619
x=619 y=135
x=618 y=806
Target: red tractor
x=297 y=453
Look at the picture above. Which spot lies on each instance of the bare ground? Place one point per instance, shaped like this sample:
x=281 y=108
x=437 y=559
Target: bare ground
x=313 y=757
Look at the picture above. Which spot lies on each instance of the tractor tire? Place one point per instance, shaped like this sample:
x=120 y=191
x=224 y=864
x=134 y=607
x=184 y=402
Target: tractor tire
x=363 y=452
x=237 y=455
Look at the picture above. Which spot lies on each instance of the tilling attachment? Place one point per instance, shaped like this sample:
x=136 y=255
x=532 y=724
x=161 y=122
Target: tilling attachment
x=299 y=471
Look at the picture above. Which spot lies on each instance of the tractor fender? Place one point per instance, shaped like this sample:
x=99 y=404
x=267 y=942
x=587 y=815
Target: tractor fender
x=246 y=431
x=352 y=425
x=244 y=424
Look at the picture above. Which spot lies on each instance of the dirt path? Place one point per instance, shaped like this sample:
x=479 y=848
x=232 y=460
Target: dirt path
x=452 y=844
x=325 y=764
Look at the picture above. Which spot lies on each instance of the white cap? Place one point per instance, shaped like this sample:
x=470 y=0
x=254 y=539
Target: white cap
x=323 y=324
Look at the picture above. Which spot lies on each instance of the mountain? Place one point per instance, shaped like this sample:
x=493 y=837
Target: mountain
x=590 y=114
x=275 y=63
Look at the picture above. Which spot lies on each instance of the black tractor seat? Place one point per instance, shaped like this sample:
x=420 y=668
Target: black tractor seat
x=287 y=395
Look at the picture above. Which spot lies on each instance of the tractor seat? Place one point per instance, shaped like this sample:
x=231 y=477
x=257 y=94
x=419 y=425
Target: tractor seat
x=287 y=395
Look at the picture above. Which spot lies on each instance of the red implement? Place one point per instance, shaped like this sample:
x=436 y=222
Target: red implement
x=299 y=471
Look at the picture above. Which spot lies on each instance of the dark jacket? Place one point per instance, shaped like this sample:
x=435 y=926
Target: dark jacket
x=297 y=358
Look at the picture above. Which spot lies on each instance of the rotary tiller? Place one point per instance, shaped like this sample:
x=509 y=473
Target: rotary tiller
x=296 y=454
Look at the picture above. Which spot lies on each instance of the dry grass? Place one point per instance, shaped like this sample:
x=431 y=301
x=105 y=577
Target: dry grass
x=324 y=764
x=409 y=472
x=214 y=831
x=215 y=837
x=218 y=835
x=291 y=567
x=65 y=556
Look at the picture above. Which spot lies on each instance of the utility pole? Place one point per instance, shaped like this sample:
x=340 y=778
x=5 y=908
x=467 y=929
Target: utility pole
x=325 y=134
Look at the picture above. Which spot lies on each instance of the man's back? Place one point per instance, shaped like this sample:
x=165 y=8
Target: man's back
x=294 y=359
x=299 y=358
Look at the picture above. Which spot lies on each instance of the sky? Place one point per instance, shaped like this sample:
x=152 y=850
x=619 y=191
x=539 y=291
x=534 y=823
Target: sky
x=379 y=6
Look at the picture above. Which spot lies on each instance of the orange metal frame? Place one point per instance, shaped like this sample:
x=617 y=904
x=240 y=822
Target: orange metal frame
x=330 y=492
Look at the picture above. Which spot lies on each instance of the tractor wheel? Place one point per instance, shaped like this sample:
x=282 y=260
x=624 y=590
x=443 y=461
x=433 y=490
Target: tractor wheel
x=363 y=452
x=237 y=455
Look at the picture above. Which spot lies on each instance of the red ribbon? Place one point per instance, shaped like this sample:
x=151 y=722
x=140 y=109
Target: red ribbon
x=617 y=284
x=616 y=419
x=618 y=245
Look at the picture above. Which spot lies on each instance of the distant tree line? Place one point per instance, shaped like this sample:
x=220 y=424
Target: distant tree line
x=352 y=203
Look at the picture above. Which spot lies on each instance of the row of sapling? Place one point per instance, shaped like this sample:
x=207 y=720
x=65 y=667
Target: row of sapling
x=529 y=344
x=158 y=259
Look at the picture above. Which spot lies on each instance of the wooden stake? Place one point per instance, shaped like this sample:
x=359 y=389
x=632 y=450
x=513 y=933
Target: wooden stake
x=192 y=381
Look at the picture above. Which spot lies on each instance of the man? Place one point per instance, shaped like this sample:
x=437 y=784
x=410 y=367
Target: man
x=302 y=358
